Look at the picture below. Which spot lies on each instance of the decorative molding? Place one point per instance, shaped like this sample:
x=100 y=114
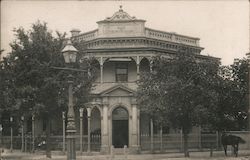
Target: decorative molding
x=137 y=42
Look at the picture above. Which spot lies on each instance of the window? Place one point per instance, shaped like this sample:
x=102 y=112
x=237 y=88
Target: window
x=121 y=74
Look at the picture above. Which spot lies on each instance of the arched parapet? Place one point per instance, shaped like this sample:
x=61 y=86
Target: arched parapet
x=145 y=58
x=96 y=107
x=94 y=60
x=145 y=63
x=136 y=59
x=92 y=105
x=101 y=60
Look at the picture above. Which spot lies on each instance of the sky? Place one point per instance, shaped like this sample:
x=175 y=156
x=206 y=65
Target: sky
x=222 y=26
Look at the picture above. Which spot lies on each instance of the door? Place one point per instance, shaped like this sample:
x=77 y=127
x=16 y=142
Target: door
x=120 y=127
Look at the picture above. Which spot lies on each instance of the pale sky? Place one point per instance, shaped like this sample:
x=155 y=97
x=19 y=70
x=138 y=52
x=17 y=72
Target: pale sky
x=222 y=26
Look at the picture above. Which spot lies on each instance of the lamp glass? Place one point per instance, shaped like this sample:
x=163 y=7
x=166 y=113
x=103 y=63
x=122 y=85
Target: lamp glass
x=69 y=56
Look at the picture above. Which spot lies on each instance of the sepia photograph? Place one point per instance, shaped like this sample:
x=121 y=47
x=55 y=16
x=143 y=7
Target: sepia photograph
x=125 y=80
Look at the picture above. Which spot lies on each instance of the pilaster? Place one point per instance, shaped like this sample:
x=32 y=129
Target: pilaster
x=134 y=147
x=105 y=136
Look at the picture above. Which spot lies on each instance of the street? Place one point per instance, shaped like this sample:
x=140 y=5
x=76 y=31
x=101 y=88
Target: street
x=217 y=155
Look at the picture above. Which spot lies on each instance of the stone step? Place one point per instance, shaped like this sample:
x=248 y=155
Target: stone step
x=118 y=151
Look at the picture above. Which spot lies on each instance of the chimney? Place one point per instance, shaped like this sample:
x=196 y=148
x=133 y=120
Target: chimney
x=75 y=32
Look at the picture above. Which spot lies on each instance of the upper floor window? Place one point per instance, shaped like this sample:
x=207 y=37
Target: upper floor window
x=121 y=72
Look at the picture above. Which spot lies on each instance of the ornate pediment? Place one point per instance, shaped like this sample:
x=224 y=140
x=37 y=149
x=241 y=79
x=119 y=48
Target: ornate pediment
x=118 y=90
x=120 y=16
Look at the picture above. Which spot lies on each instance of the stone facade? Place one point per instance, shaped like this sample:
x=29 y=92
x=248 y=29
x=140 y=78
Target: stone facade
x=123 y=47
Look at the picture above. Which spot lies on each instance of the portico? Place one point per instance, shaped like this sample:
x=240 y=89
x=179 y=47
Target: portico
x=119 y=118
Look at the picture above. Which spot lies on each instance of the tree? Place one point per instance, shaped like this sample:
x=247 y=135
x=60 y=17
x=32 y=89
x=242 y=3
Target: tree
x=180 y=91
x=33 y=85
x=232 y=89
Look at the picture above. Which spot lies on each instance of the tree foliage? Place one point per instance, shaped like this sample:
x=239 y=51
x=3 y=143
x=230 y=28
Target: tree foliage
x=29 y=83
x=231 y=110
x=186 y=91
x=34 y=86
x=179 y=90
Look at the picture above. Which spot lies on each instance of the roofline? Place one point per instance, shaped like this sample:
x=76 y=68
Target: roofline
x=210 y=57
x=162 y=51
x=115 y=87
x=129 y=50
x=86 y=33
x=142 y=37
x=173 y=33
x=110 y=21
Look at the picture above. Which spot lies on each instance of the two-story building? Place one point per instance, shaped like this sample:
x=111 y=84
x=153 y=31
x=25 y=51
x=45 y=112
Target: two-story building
x=123 y=48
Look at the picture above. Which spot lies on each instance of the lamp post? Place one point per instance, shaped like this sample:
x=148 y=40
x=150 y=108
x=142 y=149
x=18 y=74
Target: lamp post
x=69 y=53
x=11 y=134
x=63 y=118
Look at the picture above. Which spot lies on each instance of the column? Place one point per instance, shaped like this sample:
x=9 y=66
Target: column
x=134 y=123
x=101 y=70
x=89 y=114
x=161 y=138
x=81 y=130
x=138 y=128
x=151 y=66
x=138 y=67
x=64 y=136
x=33 y=132
x=199 y=136
x=151 y=135
x=105 y=138
x=134 y=119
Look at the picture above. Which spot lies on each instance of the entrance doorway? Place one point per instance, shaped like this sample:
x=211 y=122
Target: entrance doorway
x=120 y=127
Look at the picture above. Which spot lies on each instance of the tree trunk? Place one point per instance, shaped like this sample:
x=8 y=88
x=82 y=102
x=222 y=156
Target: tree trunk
x=48 y=149
x=185 y=138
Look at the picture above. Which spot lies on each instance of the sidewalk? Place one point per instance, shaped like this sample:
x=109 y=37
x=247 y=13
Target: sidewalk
x=217 y=155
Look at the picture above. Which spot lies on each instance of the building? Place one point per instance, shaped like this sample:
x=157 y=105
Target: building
x=123 y=47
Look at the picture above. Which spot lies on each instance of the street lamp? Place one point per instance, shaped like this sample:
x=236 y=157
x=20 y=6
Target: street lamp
x=69 y=53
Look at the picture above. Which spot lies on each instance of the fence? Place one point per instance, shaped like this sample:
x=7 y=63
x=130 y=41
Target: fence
x=56 y=142
x=174 y=142
x=166 y=142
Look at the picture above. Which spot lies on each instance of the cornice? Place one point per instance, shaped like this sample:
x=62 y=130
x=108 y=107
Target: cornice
x=128 y=50
x=142 y=42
